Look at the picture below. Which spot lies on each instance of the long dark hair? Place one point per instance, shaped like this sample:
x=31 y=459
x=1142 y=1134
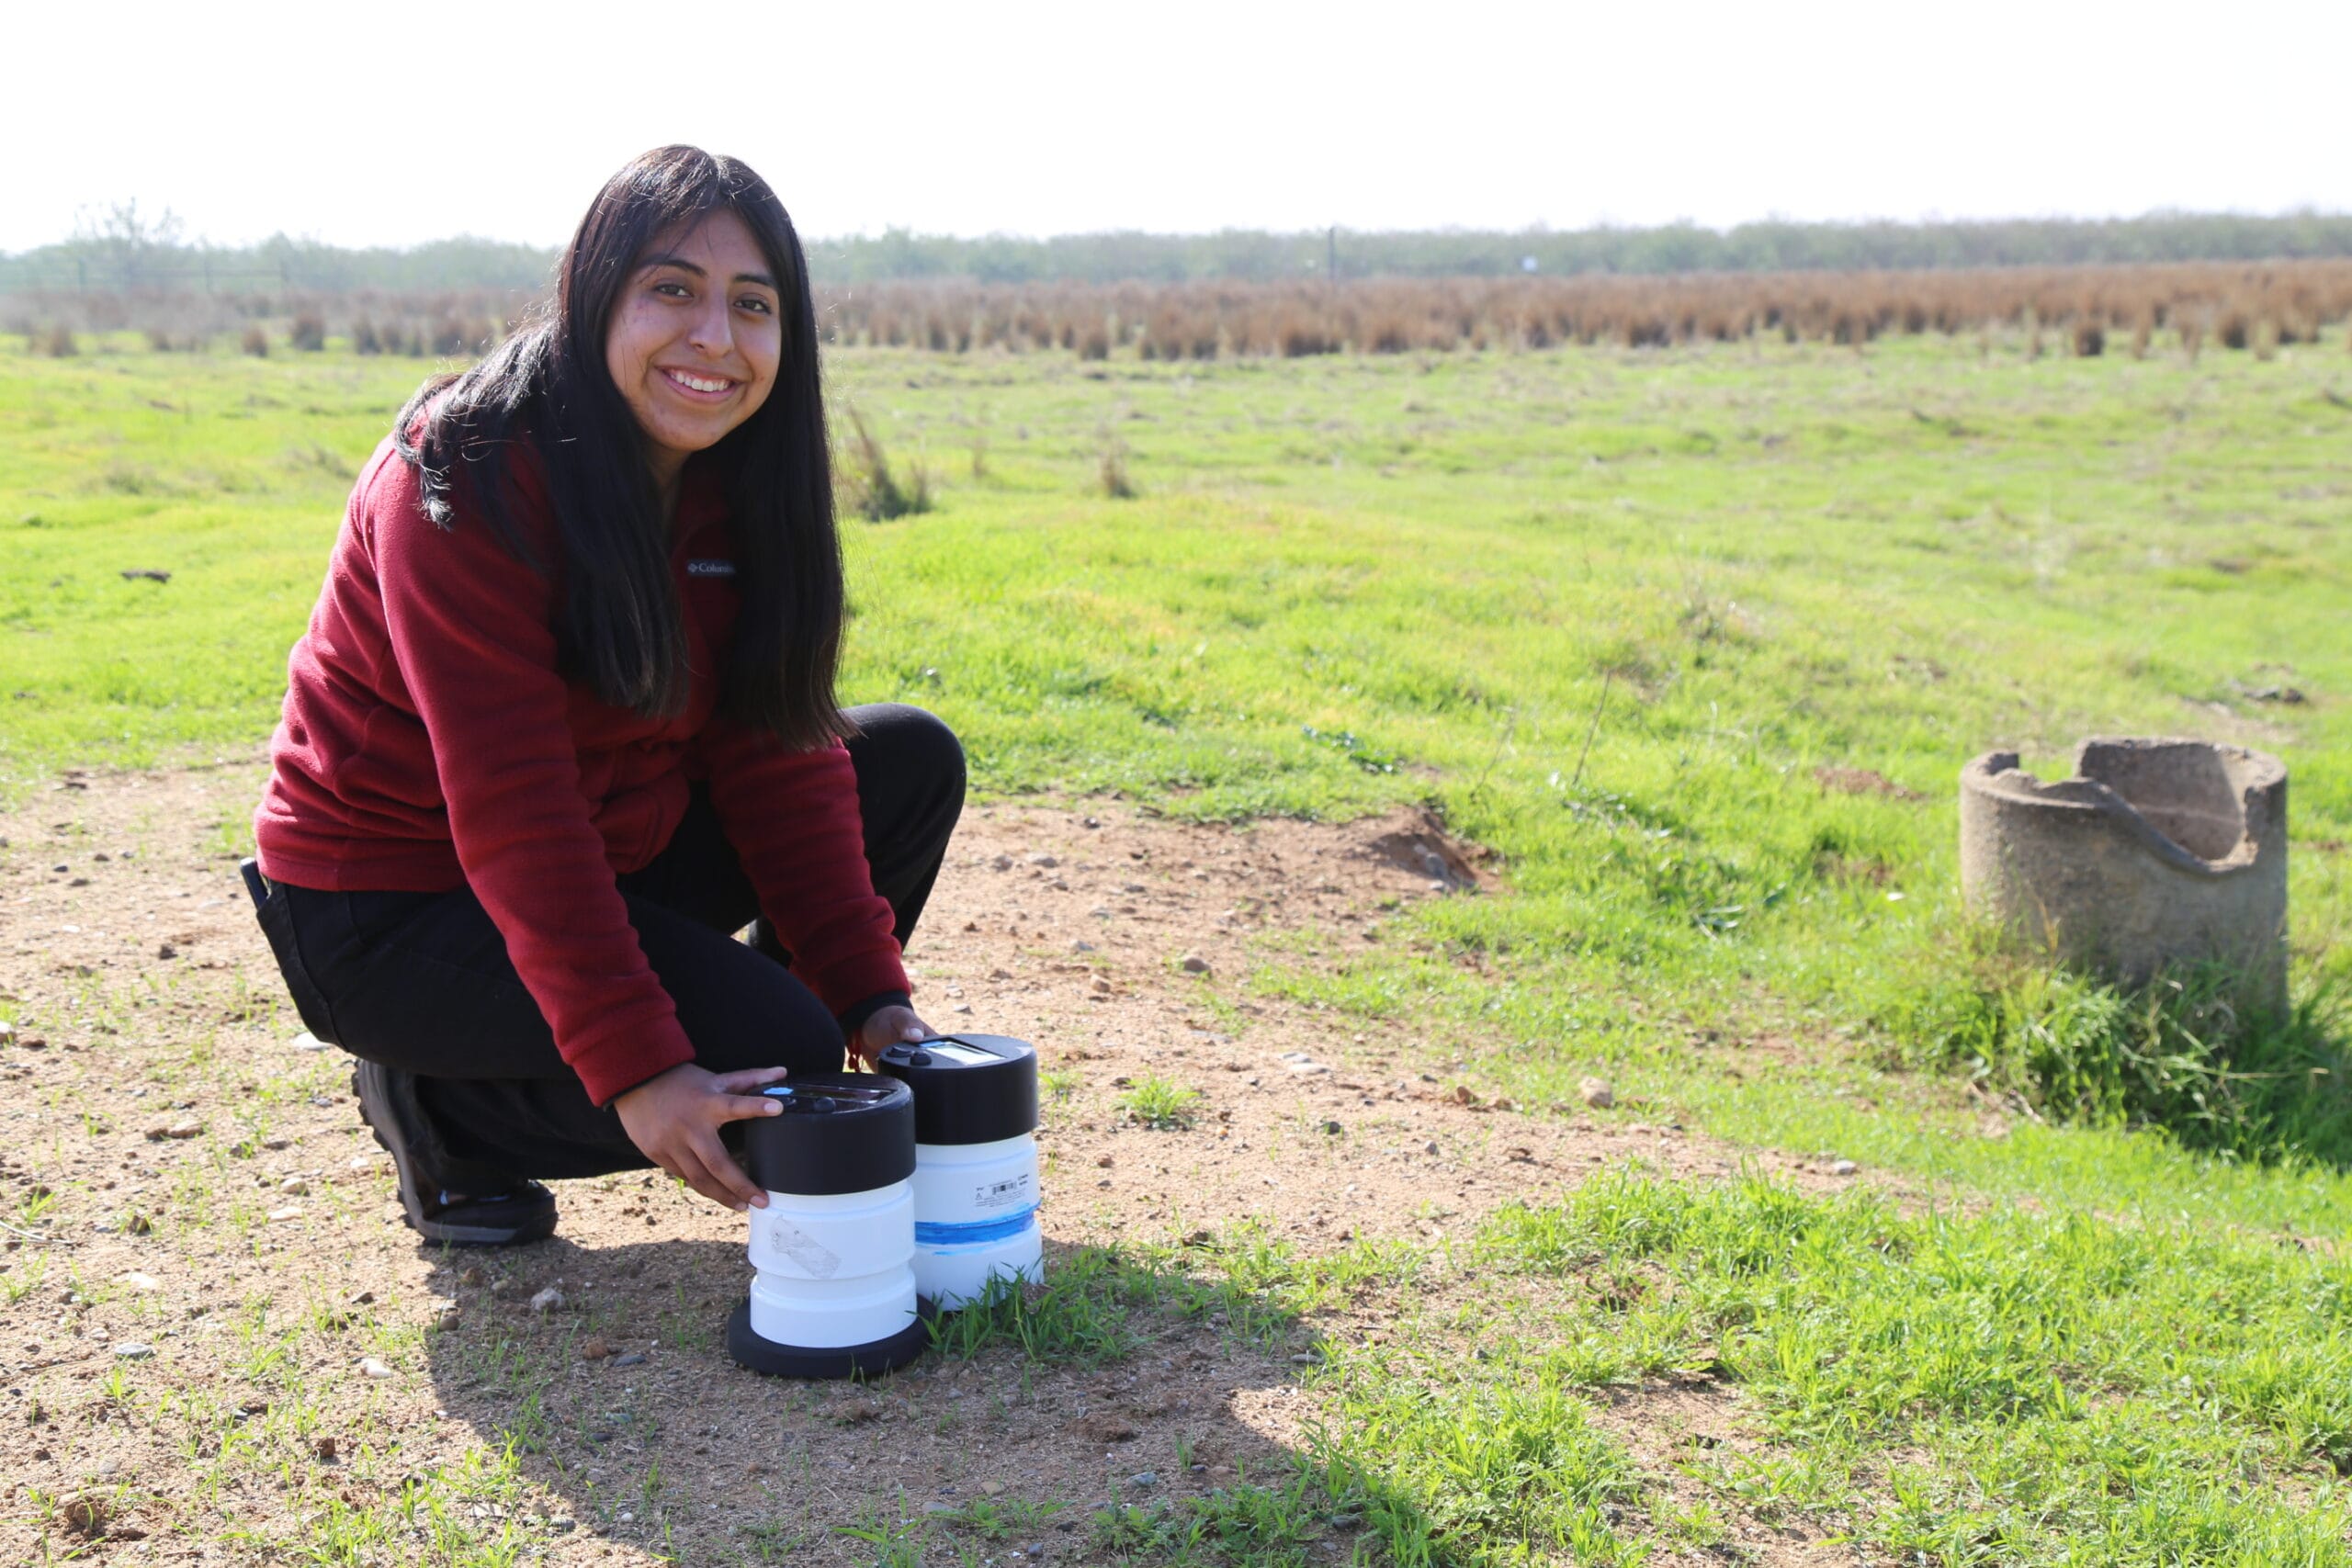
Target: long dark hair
x=546 y=387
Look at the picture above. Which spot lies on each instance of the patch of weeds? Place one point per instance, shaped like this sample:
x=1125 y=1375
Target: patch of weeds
x=122 y=476
x=894 y=1544
x=24 y=1277
x=456 y=1514
x=1700 y=1526
x=1094 y=1303
x=1517 y=1470
x=1060 y=1082
x=1366 y=987
x=1258 y=1265
x=2187 y=1051
x=875 y=489
x=776 y=1542
x=1001 y=1519
x=1227 y=1014
x=1161 y=1104
x=38 y=1201
x=1111 y=469
x=1080 y=1315
x=1776 y=1484
x=1257 y=1525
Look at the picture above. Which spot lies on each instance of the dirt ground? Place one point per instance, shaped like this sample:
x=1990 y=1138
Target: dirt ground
x=202 y=1192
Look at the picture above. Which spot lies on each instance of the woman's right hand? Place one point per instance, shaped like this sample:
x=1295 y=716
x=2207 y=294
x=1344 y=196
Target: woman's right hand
x=673 y=1118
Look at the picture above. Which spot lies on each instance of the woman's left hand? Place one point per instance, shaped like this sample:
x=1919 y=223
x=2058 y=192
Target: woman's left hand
x=889 y=1026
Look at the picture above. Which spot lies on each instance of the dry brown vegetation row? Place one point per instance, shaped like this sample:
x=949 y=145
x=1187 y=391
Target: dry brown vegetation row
x=2231 y=305
x=2235 y=305
x=443 y=322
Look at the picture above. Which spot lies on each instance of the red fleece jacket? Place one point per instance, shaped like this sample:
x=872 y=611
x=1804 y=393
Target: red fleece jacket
x=429 y=742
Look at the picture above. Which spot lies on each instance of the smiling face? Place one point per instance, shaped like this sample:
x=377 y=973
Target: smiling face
x=694 y=339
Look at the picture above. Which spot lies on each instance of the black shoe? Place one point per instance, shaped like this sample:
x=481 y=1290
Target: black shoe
x=524 y=1211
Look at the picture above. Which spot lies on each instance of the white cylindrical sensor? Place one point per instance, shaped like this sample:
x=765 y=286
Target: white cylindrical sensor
x=976 y=1179
x=833 y=1270
x=833 y=1290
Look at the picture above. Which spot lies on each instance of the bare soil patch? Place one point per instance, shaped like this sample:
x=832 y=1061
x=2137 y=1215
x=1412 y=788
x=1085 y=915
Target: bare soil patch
x=217 y=1330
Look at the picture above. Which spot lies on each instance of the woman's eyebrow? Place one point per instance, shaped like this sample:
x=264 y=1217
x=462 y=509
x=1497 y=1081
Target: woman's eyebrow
x=683 y=265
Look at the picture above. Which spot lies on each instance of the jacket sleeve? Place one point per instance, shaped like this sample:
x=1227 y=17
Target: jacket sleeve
x=793 y=817
x=472 y=630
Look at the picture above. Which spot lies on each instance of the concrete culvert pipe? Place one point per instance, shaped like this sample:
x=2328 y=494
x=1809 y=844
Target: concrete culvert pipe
x=2154 y=852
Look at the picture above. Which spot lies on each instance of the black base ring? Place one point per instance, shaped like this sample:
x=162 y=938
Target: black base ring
x=870 y=1360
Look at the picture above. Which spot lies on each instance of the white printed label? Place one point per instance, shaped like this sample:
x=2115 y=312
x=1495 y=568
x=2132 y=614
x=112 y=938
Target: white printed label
x=815 y=1259
x=1012 y=1192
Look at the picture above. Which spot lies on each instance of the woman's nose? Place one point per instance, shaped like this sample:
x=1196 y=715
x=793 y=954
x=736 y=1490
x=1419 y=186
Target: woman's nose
x=711 y=330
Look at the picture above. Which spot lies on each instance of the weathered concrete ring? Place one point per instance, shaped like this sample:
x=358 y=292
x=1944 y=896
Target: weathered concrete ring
x=2154 y=852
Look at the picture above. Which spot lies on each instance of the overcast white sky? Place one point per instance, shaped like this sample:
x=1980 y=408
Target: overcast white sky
x=396 y=122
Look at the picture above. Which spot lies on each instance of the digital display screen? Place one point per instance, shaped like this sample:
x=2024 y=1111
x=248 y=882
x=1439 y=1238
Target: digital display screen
x=955 y=1051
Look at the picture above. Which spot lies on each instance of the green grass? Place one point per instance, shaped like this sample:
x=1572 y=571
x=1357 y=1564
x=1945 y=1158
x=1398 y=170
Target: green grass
x=1161 y=1104
x=1934 y=1386
x=1608 y=613
x=230 y=474
x=2005 y=1387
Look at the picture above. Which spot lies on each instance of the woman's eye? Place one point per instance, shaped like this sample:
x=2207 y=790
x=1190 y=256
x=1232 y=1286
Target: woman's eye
x=752 y=302
x=672 y=287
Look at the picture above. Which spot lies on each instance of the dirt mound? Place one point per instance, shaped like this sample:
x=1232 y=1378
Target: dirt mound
x=1424 y=848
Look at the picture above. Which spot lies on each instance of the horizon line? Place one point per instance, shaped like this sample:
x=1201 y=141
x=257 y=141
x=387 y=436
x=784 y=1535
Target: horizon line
x=1538 y=228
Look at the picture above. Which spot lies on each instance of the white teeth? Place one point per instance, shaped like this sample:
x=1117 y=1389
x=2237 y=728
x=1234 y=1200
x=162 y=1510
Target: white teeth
x=697 y=383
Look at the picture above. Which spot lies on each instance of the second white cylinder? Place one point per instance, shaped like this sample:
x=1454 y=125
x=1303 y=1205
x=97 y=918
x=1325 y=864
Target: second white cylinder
x=976 y=1208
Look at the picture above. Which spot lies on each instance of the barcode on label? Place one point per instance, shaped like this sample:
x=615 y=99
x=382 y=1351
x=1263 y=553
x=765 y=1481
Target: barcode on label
x=1003 y=1194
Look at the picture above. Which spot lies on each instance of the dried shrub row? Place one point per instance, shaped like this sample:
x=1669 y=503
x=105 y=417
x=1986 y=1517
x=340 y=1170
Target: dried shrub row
x=2235 y=305
x=444 y=323
x=2232 y=305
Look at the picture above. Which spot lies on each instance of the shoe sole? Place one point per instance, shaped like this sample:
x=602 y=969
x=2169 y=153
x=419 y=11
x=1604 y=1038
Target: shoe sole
x=377 y=1113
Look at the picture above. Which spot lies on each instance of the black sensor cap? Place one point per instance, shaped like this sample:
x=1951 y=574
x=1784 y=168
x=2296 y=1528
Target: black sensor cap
x=969 y=1089
x=838 y=1133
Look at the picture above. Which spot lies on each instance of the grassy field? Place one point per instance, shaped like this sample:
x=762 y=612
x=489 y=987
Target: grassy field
x=1612 y=613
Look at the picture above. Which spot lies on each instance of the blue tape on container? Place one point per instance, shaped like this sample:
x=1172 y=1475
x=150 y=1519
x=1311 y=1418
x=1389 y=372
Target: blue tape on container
x=973 y=1233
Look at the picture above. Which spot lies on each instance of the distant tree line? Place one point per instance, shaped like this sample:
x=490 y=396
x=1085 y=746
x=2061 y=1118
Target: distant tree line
x=1255 y=256
x=127 y=252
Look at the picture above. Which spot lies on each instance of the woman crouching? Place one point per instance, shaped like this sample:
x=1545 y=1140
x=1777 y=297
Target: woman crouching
x=563 y=721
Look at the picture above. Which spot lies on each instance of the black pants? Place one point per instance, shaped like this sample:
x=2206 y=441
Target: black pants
x=421 y=982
